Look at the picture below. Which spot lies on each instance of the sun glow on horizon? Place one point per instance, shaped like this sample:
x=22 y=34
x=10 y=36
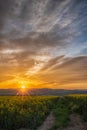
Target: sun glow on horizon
x=23 y=90
x=23 y=87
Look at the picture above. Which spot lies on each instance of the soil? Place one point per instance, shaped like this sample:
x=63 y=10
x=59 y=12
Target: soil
x=19 y=129
x=76 y=123
x=48 y=123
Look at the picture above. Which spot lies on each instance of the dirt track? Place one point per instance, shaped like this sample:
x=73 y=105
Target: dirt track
x=76 y=123
x=48 y=123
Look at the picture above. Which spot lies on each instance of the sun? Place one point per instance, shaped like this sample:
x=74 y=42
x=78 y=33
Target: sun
x=23 y=87
x=23 y=90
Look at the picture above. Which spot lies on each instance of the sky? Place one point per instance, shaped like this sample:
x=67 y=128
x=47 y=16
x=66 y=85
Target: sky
x=43 y=44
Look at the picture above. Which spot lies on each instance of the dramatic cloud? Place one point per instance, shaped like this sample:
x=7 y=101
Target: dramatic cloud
x=43 y=42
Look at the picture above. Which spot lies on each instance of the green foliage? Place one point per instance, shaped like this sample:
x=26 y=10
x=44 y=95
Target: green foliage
x=61 y=117
x=61 y=113
x=67 y=105
x=24 y=112
x=30 y=111
x=78 y=104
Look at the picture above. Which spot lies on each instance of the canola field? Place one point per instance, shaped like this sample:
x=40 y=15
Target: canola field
x=30 y=111
x=24 y=111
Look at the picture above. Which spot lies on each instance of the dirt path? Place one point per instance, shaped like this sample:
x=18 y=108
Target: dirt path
x=48 y=123
x=76 y=123
x=23 y=129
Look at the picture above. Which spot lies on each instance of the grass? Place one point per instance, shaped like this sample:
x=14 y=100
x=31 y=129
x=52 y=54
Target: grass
x=61 y=114
x=67 y=105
